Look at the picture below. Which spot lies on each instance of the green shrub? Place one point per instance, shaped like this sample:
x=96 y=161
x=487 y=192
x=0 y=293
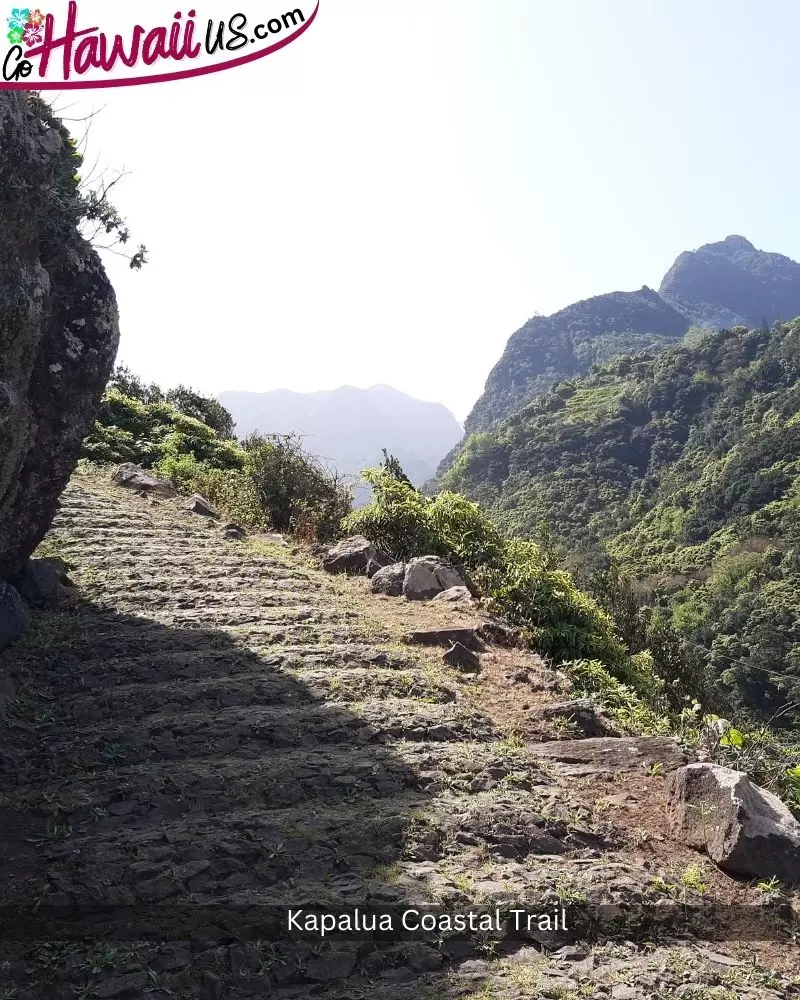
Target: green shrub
x=295 y=490
x=618 y=700
x=230 y=490
x=522 y=586
x=263 y=482
x=130 y=430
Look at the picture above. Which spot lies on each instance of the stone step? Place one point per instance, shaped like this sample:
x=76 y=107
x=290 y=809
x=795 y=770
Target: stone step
x=267 y=688
x=257 y=729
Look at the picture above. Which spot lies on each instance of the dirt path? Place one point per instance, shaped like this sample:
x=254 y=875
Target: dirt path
x=216 y=731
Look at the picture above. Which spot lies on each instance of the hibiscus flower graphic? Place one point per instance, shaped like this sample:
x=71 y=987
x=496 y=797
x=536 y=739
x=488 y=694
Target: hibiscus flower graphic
x=15 y=36
x=33 y=35
x=19 y=18
x=36 y=18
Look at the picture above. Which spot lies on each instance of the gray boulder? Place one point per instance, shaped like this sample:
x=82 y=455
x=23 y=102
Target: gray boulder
x=352 y=555
x=233 y=532
x=14 y=617
x=744 y=829
x=427 y=576
x=132 y=477
x=462 y=658
x=59 y=328
x=199 y=505
x=389 y=580
x=454 y=595
x=43 y=582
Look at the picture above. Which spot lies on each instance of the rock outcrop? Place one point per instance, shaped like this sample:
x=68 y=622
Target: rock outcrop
x=58 y=323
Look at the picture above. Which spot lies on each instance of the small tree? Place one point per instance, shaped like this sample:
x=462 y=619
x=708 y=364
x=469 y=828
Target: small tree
x=297 y=492
x=206 y=409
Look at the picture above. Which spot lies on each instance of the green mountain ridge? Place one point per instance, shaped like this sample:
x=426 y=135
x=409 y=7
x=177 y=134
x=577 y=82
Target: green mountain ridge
x=721 y=284
x=684 y=466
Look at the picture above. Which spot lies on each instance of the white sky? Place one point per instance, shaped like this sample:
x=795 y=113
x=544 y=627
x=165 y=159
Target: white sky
x=388 y=198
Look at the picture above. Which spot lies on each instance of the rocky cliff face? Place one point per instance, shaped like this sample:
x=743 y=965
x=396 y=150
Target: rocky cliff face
x=730 y=283
x=58 y=323
x=550 y=348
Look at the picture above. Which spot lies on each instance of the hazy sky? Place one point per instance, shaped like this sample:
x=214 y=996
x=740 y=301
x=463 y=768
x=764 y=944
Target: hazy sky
x=388 y=198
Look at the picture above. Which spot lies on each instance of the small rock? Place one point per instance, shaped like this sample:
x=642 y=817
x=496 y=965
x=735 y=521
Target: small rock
x=745 y=829
x=233 y=532
x=199 y=505
x=581 y=712
x=716 y=958
x=446 y=637
x=276 y=539
x=324 y=968
x=210 y=987
x=351 y=555
x=454 y=595
x=14 y=617
x=389 y=580
x=133 y=477
x=43 y=583
x=500 y=633
x=621 y=992
x=427 y=576
x=122 y=986
x=372 y=569
x=462 y=658
x=571 y=953
x=423 y=958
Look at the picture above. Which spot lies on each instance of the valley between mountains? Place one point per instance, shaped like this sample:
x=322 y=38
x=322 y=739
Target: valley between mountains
x=216 y=727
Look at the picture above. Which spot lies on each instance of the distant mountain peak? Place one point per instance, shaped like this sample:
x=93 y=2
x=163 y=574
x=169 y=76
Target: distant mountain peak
x=349 y=426
x=731 y=283
x=723 y=284
x=738 y=241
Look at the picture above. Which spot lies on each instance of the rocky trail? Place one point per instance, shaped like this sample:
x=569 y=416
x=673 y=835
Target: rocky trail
x=215 y=730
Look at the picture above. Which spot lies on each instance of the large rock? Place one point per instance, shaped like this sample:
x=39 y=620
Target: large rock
x=428 y=576
x=582 y=713
x=133 y=477
x=605 y=754
x=199 y=505
x=58 y=324
x=351 y=555
x=745 y=829
x=389 y=580
x=43 y=582
x=14 y=617
x=454 y=595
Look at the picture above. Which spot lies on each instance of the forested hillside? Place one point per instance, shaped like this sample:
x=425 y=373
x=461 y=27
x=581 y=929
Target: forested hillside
x=685 y=468
x=569 y=342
